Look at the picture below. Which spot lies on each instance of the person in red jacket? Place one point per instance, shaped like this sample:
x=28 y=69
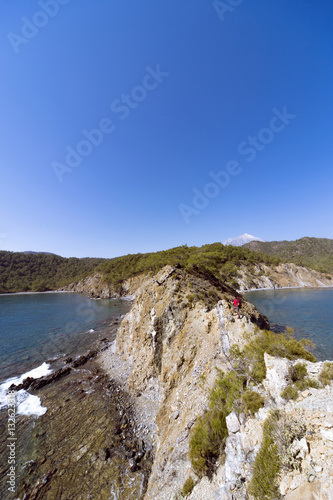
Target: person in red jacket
x=236 y=305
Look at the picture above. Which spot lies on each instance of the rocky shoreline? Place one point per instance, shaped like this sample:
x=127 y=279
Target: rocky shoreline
x=87 y=444
x=119 y=417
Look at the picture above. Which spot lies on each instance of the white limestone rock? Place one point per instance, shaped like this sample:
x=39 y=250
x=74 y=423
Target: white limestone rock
x=233 y=424
x=327 y=434
x=276 y=376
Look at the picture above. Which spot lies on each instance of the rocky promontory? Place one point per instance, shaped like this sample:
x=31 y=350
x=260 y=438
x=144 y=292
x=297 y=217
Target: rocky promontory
x=167 y=354
x=146 y=391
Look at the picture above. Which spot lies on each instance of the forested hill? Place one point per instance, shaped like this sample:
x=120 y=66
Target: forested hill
x=316 y=253
x=219 y=260
x=39 y=272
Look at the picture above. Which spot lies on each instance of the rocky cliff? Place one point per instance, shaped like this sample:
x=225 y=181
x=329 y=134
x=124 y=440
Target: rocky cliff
x=166 y=355
x=176 y=335
x=281 y=276
x=96 y=287
x=256 y=276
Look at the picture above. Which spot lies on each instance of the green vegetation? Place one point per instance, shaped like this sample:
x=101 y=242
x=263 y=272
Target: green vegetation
x=38 y=272
x=188 y=486
x=326 y=374
x=316 y=253
x=252 y=402
x=41 y=271
x=250 y=360
x=279 y=432
x=232 y=392
x=207 y=441
x=221 y=261
x=297 y=372
x=299 y=381
x=267 y=464
x=210 y=431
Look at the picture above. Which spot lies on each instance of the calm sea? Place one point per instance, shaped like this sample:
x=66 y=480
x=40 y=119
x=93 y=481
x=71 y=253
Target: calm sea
x=308 y=311
x=37 y=327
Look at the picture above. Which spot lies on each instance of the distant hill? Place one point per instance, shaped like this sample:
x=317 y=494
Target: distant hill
x=219 y=260
x=39 y=272
x=316 y=253
x=30 y=252
x=241 y=240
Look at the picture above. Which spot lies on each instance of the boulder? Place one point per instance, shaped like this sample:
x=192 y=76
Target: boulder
x=276 y=376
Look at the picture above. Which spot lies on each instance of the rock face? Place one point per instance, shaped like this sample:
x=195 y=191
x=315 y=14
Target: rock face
x=281 y=276
x=248 y=278
x=314 y=452
x=178 y=332
x=276 y=376
x=173 y=345
x=96 y=287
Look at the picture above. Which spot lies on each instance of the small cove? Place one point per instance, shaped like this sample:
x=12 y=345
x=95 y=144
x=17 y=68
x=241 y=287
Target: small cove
x=309 y=311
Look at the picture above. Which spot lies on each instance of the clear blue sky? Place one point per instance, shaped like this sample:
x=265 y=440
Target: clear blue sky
x=180 y=89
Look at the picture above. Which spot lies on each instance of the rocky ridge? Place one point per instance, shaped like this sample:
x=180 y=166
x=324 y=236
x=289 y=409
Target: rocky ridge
x=258 y=276
x=281 y=276
x=167 y=352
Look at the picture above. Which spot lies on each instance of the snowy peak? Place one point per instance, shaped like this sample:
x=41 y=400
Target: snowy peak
x=241 y=240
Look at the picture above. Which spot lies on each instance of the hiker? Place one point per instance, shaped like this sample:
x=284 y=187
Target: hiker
x=236 y=305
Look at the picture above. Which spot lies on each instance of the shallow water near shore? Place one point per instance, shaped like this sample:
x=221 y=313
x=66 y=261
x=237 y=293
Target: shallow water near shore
x=84 y=445
x=308 y=310
x=37 y=327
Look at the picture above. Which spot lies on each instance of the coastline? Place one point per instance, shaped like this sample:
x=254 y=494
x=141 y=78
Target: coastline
x=118 y=417
x=286 y=288
x=88 y=425
x=144 y=405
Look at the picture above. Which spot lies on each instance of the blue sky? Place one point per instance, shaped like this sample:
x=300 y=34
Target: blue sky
x=138 y=126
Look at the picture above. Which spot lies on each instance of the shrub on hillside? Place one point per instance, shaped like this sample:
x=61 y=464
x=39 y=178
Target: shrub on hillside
x=207 y=440
x=249 y=361
x=279 y=432
x=299 y=381
x=232 y=392
x=326 y=374
x=188 y=486
x=252 y=402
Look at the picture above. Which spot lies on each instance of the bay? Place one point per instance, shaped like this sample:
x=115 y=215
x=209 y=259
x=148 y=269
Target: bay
x=309 y=311
x=37 y=327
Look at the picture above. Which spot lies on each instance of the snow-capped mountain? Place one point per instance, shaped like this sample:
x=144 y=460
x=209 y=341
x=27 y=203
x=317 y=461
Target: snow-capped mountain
x=241 y=240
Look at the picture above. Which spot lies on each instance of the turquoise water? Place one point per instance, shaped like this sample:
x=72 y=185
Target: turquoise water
x=308 y=311
x=37 y=327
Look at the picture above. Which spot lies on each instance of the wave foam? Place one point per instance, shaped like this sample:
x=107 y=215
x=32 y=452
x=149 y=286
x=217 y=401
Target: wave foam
x=28 y=404
x=25 y=402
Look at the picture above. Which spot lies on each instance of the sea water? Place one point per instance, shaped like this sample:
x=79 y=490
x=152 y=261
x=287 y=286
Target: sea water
x=309 y=311
x=37 y=327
